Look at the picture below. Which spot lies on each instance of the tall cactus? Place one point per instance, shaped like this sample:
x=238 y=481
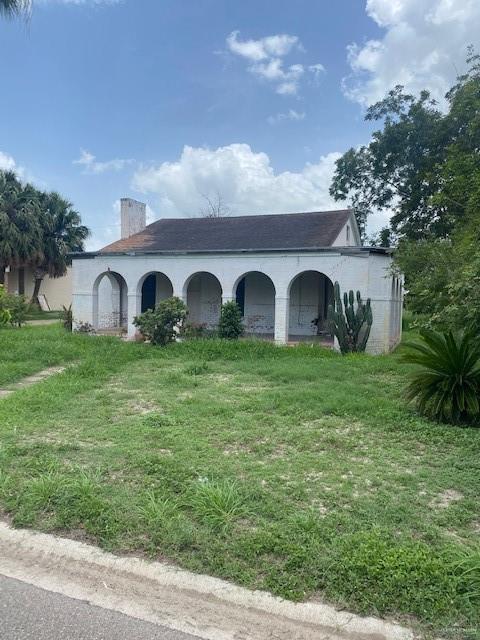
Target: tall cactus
x=350 y=326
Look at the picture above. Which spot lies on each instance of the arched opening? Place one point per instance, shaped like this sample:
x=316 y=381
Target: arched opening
x=311 y=293
x=204 y=300
x=110 y=302
x=255 y=295
x=155 y=287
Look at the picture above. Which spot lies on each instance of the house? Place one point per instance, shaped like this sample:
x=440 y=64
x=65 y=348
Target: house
x=57 y=292
x=279 y=268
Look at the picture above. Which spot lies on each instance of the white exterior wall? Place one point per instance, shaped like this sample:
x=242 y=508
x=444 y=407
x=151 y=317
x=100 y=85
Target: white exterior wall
x=259 y=314
x=367 y=272
x=57 y=291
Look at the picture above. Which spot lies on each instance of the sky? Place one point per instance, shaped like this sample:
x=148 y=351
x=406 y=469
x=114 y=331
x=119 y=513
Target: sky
x=172 y=101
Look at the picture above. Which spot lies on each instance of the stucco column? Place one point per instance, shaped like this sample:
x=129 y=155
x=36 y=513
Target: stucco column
x=282 y=310
x=134 y=308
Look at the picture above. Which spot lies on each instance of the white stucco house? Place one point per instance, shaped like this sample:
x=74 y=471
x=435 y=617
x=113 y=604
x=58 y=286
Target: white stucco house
x=279 y=268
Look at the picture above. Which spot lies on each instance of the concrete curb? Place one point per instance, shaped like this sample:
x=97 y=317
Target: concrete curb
x=163 y=594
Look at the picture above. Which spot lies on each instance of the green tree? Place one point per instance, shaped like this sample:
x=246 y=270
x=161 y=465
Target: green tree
x=15 y=8
x=61 y=234
x=20 y=233
x=230 y=325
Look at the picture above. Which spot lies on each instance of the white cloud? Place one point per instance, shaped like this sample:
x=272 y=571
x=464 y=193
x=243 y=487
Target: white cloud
x=90 y=164
x=424 y=46
x=266 y=58
x=291 y=114
x=246 y=181
x=257 y=50
x=7 y=162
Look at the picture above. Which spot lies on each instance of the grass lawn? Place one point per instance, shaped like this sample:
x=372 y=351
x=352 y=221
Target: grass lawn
x=37 y=314
x=294 y=470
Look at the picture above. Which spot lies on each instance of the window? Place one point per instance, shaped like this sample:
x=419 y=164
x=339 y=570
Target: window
x=348 y=234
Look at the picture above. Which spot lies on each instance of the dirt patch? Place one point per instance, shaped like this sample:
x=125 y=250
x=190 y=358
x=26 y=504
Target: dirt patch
x=29 y=380
x=445 y=499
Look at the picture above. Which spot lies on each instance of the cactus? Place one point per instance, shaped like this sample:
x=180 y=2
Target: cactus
x=350 y=326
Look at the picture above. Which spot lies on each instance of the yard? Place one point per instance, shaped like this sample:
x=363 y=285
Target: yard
x=293 y=470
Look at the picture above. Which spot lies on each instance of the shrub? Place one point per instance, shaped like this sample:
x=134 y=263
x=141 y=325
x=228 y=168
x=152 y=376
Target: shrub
x=350 y=326
x=230 y=325
x=13 y=308
x=160 y=325
x=67 y=317
x=5 y=315
x=447 y=385
x=19 y=308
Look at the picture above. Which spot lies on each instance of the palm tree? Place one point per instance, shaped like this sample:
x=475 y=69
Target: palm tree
x=15 y=8
x=62 y=233
x=20 y=235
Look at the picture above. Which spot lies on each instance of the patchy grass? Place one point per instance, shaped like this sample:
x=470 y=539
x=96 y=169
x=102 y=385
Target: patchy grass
x=288 y=469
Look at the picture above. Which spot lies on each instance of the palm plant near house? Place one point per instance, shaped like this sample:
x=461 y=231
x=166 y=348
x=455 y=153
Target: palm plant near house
x=62 y=233
x=20 y=234
x=446 y=386
x=15 y=8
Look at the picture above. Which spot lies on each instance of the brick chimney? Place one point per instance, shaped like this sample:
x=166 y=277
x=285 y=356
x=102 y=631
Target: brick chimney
x=133 y=215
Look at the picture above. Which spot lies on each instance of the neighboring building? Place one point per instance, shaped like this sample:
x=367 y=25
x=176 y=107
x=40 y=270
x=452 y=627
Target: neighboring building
x=279 y=268
x=57 y=291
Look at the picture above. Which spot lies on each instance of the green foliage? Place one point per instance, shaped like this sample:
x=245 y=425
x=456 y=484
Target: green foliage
x=67 y=317
x=15 y=8
x=160 y=325
x=447 y=385
x=5 y=315
x=230 y=325
x=466 y=565
x=218 y=504
x=350 y=326
x=19 y=308
x=38 y=229
x=13 y=309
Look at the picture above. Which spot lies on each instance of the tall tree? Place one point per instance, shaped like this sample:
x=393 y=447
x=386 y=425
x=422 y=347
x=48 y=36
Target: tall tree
x=61 y=234
x=20 y=234
x=15 y=8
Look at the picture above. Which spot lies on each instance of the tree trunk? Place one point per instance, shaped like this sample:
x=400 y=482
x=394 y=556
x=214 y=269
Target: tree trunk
x=36 y=290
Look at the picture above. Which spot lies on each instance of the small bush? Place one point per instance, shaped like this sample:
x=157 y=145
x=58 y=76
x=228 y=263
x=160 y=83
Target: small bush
x=218 y=504
x=5 y=315
x=13 y=308
x=230 y=325
x=447 y=385
x=160 y=325
x=67 y=317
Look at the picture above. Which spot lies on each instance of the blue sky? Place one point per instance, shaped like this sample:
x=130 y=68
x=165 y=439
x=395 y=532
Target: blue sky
x=171 y=100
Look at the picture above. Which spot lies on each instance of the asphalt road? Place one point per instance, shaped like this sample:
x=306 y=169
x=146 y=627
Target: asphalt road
x=29 y=613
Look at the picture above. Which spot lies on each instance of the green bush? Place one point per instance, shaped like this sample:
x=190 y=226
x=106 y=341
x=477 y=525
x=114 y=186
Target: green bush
x=446 y=387
x=13 y=308
x=159 y=325
x=230 y=325
x=5 y=315
x=67 y=317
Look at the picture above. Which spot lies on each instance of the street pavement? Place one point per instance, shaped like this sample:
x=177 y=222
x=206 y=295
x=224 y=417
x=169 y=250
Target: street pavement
x=30 y=613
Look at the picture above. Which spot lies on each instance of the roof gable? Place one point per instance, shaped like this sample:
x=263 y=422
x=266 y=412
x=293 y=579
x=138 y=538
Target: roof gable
x=237 y=233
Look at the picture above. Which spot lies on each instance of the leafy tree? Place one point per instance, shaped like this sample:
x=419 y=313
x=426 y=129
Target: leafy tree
x=160 y=325
x=15 y=8
x=20 y=232
x=61 y=233
x=230 y=325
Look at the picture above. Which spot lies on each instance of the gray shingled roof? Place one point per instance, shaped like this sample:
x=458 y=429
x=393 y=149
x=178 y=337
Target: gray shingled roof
x=236 y=233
